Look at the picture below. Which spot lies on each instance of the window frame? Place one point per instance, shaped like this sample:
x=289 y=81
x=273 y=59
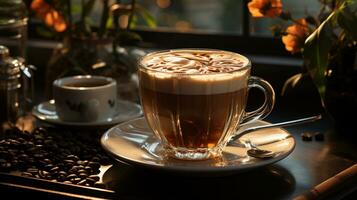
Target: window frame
x=245 y=43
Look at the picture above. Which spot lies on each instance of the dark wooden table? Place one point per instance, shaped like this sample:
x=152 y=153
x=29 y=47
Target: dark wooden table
x=311 y=163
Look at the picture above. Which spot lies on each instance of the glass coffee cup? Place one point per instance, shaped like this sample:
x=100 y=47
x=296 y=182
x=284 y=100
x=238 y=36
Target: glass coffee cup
x=194 y=100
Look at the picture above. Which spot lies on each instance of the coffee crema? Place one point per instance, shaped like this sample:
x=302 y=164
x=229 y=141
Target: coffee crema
x=195 y=61
x=87 y=83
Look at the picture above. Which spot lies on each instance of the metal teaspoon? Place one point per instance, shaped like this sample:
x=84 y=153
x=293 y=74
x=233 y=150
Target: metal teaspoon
x=253 y=150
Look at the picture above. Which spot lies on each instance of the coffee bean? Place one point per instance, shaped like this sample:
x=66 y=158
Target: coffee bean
x=49 y=166
x=14 y=143
x=71 y=176
x=74 y=169
x=23 y=156
x=32 y=170
x=88 y=169
x=54 y=169
x=82 y=182
x=40 y=130
x=81 y=171
x=75 y=180
x=48 y=161
x=306 y=136
x=39 y=137
x=48 y=142
x=83 y=175
x=21 y=140
x=14 y=162
x=95 y=159
x=26 y=174
x=44 y=174
x=85 y=162
x=61 y=178
x=38 y=156
x=80 y=162
x=94 y=165
x=4 y=167
x=72 y=157
x=319 y=136
x=8 y=165
x=62 y=173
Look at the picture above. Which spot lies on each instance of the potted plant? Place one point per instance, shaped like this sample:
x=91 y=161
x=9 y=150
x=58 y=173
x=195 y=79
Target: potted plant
x=327 y=42
x=89 y=46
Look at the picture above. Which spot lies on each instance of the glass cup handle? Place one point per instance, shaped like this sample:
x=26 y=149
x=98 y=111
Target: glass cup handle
x=28 y=85
x=268 y=104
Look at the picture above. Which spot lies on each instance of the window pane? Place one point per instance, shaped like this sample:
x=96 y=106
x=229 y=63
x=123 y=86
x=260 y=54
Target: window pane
x=210 y=16
x=298 y=9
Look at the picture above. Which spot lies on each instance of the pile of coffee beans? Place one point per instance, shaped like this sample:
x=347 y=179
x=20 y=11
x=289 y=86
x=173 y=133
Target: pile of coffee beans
x=52 y=154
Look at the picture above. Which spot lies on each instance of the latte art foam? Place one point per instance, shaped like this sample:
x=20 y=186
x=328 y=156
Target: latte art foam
x=195 y=62
x=194 y=72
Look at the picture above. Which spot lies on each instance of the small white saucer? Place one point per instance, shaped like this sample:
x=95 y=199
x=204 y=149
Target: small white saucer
x=46 y=111
x=134 y=143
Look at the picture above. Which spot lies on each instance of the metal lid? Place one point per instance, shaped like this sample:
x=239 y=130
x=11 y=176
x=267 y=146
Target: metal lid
x=4 y=53
x=9 y=67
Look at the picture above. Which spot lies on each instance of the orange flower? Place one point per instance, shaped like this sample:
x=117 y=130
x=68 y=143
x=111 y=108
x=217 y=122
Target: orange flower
x=265 y=8
x=295 y=36
x=49 y=15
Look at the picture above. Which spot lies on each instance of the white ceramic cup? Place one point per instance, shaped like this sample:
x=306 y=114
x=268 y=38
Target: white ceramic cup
x=85 y=98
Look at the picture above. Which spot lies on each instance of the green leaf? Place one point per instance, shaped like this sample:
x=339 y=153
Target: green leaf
x=134 y=22
x=291 y=83
x=347 y=18
x=109 y=22
x=87 y=8
x=316 y=51
x=75 y=9
x=147 y=17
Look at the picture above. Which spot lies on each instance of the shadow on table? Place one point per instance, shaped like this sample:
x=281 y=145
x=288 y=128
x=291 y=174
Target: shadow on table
x=129 y=182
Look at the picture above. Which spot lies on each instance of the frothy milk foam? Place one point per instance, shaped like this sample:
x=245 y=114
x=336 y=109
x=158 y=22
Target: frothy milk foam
x=195 y=72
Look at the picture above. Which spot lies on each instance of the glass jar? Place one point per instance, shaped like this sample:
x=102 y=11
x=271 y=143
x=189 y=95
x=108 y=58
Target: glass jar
x=15 y=87
x=13 y=26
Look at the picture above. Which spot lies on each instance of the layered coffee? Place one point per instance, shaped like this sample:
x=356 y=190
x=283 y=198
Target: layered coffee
x=88 y=83
x=193 y=98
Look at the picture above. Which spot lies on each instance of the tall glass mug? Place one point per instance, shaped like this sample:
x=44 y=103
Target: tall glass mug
x=194 y=99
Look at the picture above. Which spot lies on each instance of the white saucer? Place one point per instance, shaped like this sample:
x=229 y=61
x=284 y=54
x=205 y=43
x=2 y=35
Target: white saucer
x=134 y=143
x=46 y=111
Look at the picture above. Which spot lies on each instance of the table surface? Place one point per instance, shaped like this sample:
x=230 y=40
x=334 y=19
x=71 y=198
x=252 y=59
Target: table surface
x=308 y=165
x=311 y=163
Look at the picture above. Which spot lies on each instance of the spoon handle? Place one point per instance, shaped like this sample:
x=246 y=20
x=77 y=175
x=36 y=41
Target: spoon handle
x=280 y=124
